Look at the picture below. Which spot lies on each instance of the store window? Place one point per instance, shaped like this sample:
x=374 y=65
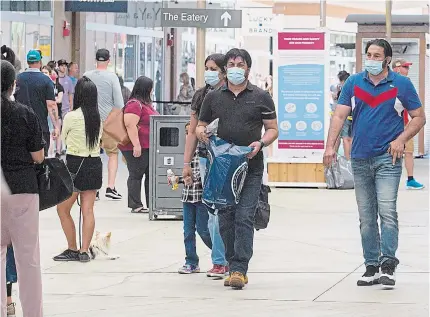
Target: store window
x=45 y=43
x=18 y=41
x=5 y=33
x=31 y=37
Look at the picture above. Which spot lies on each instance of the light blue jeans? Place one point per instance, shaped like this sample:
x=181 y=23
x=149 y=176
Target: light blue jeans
x=376 y=187
x=218 y=249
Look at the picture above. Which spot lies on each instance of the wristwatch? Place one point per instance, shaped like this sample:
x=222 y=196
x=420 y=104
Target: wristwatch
x=262 y=145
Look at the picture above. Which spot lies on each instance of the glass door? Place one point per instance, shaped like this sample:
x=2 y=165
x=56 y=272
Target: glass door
x=146 y=57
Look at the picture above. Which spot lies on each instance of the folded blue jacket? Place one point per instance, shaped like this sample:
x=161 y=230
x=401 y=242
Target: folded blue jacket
x=226 y=168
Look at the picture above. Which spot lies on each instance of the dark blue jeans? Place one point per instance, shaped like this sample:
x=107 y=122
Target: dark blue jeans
x=376 y=186
x=237 y=225
x=196 y=218
x=11 y=275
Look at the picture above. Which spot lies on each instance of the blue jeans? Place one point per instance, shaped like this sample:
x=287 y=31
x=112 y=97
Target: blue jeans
x=195 y=219
x=218 y=249
x=376 y=185
x=11 y=275
x=237 y=224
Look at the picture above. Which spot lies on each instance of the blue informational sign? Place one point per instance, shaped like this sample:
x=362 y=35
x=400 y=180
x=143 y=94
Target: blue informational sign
x=301 y=106
x=96 y=6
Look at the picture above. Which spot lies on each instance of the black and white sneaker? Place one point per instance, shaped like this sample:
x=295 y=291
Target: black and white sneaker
x=113 y=194
x=370 y=277
x=388 y=276
x=97 y=196
x=66 y=256
x=84 y=257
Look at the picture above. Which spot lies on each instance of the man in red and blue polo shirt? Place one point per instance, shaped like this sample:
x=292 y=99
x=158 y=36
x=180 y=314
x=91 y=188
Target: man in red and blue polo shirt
x=379 y=138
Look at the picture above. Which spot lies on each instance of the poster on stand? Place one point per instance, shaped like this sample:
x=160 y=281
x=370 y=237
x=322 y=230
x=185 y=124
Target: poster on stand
x=301 y=95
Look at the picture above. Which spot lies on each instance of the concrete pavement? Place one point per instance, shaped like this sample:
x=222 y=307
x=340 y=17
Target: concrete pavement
x=305 y=264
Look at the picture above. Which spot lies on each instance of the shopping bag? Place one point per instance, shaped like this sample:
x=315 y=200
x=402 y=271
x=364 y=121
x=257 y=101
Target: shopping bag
x=55 y=183
x=226 y=173
x=339 y=174
x=262 y=214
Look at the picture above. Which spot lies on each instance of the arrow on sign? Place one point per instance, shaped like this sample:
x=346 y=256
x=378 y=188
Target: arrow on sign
x=226 y=16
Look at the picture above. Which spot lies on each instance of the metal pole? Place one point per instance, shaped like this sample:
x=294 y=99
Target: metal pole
x=323 y=13
x=388 y=8
x=200 y=50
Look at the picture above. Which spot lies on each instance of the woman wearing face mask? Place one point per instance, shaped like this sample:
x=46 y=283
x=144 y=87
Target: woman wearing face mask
x=214 y=78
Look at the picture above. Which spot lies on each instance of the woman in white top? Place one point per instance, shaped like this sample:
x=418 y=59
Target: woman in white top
x=82 y=130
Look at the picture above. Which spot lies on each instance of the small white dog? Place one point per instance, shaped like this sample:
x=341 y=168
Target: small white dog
x=100 y=246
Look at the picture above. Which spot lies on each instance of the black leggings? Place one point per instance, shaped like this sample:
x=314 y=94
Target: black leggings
x=9 y=289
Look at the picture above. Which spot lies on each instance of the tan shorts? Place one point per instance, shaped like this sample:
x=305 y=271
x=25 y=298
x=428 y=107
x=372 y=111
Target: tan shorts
x=409 y=147
x=109 y=145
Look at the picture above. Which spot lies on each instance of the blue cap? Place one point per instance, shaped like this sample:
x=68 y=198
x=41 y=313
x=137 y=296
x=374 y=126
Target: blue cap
x=33 y=56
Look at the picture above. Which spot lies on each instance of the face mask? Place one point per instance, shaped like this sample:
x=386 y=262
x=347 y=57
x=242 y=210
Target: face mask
x=236 y=75
x=373 y=67
x=211 y=77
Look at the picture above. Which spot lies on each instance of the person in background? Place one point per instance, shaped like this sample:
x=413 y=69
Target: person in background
x=401 y=67
x=193 y=83
x=136 y=119
x=37 y=91
x=69 y=88
x=9 y=55
x=269 y=85
x=346 y=133
x=124 y=90
x=73 y=71
x=22 y=145
x=82 y=130
x=243 y=110
x=52 y=65
x=109 y=97
x=186 y=93
x=214 y=78
x=378 y=143
x=58 y=91
x=11 y=275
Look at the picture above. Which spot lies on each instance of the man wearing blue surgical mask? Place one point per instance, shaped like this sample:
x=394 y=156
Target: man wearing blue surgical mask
x=377 y=97
x=242 y=109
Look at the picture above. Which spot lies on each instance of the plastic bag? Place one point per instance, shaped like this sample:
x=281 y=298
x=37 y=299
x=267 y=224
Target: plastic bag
x=226 y=172
x=262 y=214
x=339 y=175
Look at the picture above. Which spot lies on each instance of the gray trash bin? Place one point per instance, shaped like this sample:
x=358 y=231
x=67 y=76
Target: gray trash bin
x=166 y=151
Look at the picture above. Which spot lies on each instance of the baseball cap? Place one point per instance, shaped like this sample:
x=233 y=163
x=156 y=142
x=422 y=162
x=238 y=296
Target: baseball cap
x=102 y=55
x=62 y=62
x=401 y=62
x=33 y=56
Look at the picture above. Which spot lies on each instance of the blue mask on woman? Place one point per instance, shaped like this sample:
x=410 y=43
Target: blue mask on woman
x=212 y=78
x=373 y=67
x=236 y=75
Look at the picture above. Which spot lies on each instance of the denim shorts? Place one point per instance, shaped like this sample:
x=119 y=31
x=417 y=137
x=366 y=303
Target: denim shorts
x=346 y=129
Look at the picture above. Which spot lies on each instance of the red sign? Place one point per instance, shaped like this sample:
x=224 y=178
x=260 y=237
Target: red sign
x=300 y=144
x=301 y=41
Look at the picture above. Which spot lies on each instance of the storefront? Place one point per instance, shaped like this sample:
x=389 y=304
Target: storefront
x=135 y=40
x=27 y=25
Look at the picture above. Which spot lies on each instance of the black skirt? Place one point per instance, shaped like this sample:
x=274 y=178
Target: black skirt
x=89 y=175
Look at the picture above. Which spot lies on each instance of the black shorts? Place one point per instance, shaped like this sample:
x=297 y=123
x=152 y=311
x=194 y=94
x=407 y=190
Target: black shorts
x=90 y=174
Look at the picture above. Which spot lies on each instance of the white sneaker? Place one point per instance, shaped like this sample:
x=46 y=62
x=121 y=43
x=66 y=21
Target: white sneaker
x=388 y=276
x=11 y=310
x=370 y=277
